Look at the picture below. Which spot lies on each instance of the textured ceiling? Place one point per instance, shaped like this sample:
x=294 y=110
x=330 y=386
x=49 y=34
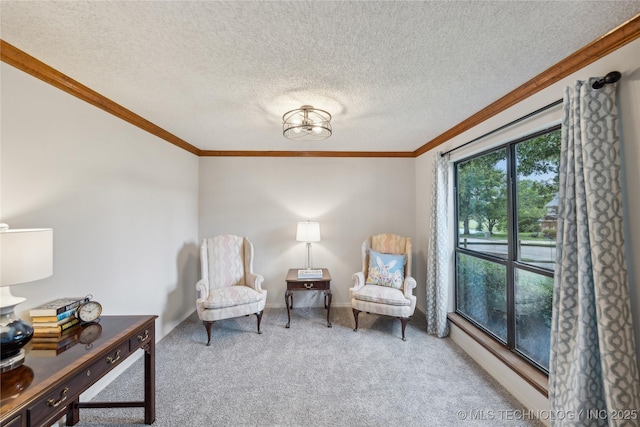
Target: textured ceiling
x=219 y=75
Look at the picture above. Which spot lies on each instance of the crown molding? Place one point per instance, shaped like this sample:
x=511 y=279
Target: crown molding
x=214 y=153
x=30 y=65
x=614 y=39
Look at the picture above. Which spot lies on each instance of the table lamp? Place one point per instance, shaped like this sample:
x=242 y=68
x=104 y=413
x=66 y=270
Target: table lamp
x=308 y=232
x=26 y=255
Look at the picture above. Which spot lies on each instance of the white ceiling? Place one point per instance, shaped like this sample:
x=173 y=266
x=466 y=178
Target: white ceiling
x=219 y=75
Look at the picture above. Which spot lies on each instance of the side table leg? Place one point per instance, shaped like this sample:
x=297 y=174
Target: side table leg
x=328 y=294
x=287 y=298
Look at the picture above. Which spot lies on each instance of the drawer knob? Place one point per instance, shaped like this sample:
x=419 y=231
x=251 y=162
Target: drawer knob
x=114 y=359
x=63 y=396
x=308 y=285
x=143 y=338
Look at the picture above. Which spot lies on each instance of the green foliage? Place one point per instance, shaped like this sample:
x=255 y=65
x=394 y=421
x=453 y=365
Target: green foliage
x=551 y=233
x=537 y=163
x=482 y=185
x=482 y=293
x=530 y=206
x=482 y=296
x=540 y=155
x=534 y=295
x=546 y=190
x=482 y=191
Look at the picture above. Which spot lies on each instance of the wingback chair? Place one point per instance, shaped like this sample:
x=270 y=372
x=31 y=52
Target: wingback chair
x=385 y=286
x=228 y=287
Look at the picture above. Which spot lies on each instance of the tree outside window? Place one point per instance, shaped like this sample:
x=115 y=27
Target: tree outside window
x=506 y=210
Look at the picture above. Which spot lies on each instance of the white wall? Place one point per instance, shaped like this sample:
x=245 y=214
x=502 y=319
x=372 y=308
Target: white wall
x=264 y=198
x=122 y=203
x=128 y=209
x=627 y=61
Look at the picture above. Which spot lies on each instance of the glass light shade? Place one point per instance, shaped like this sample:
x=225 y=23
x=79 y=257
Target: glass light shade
x=308 y=232
x=306 y=124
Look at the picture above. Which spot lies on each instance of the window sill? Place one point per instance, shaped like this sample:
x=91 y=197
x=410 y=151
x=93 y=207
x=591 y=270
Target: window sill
x=539 y=380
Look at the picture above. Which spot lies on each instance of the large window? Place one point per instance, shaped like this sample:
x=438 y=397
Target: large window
x=506 y=211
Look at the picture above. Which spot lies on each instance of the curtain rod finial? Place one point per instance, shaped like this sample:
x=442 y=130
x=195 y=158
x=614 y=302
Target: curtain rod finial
x=611 y=77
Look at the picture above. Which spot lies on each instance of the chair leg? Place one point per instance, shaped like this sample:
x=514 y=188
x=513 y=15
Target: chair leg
x=404 y=321
x=207 y=325
x=259 y=316
x=355 y=316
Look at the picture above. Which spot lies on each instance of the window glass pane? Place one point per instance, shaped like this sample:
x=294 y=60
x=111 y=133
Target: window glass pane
x=537 y=162
x=482 y=293
x=482 y=204
x=533 y=293
x=506 y=214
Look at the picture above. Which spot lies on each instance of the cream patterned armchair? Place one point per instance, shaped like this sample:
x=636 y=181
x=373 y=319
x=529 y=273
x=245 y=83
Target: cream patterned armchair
x=228 y=287
x=385 y=286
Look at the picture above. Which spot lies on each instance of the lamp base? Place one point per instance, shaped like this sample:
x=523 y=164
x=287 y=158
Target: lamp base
x=12 y=362
x=14 y=334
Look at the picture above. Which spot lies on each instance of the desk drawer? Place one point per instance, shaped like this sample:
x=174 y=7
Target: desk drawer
x=16 y=422
x=98 y=369
x=141 y=338
x=312 y=285
x=53 y=402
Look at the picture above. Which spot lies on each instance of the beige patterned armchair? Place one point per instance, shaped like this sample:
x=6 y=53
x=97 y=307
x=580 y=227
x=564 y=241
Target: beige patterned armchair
x=229 y=287
x=385 y=286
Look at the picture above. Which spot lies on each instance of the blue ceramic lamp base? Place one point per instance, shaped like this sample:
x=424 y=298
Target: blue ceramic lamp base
x=14 y=334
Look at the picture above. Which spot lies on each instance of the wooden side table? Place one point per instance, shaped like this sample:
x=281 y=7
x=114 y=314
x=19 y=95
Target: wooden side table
x=296 y=284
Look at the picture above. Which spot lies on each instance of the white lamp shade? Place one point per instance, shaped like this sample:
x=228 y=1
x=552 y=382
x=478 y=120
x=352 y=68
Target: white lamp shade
x=308 y=232
x=26 y=255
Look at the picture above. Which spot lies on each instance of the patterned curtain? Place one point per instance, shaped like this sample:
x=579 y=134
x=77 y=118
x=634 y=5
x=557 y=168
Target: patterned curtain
x=592 y=371
x=438 y=257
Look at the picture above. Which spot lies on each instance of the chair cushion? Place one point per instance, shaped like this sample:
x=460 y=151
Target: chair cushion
x=381 y=295
x=385 y=269
x=231 y=296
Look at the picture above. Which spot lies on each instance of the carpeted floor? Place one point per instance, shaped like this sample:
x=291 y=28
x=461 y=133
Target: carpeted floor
x=310 y=375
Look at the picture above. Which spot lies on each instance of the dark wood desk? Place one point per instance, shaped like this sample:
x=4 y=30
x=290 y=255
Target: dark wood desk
x=296 y=284
x=47 y=387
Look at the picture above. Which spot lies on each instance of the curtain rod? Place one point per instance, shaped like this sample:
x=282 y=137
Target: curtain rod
x=611 y=77
x=538 y=111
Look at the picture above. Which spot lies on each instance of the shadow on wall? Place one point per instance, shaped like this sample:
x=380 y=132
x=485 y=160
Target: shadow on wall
x=181 y=301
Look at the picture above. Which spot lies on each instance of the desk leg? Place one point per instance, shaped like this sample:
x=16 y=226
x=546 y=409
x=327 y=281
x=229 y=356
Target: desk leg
x=150 y=381
x=288 y=299
x=73 y=414
x=327 y=294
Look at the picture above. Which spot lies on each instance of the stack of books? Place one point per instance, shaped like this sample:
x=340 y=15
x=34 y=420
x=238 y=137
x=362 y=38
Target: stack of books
x=52 y=319
x=310 y=274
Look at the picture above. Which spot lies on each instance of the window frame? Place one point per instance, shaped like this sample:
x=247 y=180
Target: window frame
x=511 y=262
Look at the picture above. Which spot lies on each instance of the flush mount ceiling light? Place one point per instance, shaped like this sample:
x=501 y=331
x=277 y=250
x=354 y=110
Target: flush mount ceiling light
x=306 y=124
